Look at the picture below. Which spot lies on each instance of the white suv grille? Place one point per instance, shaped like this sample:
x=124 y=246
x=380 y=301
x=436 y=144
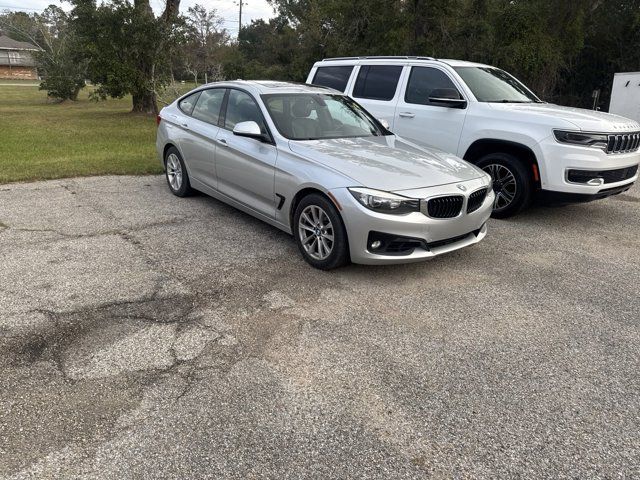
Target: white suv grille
x=623 y=143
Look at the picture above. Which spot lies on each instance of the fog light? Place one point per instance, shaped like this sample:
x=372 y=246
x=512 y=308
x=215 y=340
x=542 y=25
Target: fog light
x=596 y=182
x=376 y=244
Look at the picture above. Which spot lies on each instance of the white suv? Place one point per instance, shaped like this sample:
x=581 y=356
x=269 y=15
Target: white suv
x=489 y=118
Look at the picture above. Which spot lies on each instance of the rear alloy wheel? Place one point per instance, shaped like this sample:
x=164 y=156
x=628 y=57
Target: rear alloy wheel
x=176 y=173
x=320 y=233
x=512 y=183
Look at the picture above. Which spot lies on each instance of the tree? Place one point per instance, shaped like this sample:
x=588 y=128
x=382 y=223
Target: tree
x=20 y=26
x=128 y=49
x=59 y=62
x=204 y=37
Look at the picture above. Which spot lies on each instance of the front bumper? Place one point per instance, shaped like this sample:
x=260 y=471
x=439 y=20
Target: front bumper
x=557 y=160
x=463 y=230
x=566 y=198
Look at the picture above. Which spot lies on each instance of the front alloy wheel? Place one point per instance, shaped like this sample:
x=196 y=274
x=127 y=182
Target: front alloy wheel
x=512 y=183
x=316 y=232
x=504 y=185
x=320 y=233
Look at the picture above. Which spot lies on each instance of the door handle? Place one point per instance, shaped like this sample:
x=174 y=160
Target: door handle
x=222 y=142
x=185 y=126
x=407 y=114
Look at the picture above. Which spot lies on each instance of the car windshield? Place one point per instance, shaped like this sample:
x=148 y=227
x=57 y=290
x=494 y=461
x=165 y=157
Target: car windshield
x=315 y=116
x=493 y=85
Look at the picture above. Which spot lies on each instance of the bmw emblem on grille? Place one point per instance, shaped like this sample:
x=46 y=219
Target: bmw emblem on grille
x=462 y=187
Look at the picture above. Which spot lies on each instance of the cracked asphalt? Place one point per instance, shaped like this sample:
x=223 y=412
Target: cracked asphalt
x=147 y=336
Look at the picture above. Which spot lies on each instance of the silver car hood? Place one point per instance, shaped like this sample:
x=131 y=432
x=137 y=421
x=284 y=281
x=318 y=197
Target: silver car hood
x=387 y=162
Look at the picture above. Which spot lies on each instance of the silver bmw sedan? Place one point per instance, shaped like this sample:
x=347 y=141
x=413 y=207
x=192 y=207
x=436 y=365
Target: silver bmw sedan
x=314 y=163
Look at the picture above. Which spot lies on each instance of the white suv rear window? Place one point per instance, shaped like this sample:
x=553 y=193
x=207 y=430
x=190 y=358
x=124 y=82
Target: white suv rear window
x=377 y=82
x=334 y=77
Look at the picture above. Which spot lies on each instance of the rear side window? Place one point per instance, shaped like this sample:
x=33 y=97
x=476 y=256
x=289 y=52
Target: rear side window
x=422 y=81
x=208 y=106
x=187 y=103
x=333 y=77
x=377 y=82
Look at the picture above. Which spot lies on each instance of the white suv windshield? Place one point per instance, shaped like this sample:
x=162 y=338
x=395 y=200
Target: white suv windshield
x=306 y=116
x=494 y=85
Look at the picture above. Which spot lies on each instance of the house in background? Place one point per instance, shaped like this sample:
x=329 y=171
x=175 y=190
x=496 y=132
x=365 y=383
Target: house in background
x=16 y=59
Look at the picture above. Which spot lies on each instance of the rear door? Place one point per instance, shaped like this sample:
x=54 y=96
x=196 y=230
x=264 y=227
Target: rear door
x=246 y=166
x=422 y=122
x=201 y=129
x=376 y=87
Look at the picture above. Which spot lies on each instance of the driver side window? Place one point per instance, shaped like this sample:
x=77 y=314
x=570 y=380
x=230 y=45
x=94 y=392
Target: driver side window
x=422 y=81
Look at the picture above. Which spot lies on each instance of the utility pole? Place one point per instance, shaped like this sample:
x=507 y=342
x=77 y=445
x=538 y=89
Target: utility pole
x=240 y=18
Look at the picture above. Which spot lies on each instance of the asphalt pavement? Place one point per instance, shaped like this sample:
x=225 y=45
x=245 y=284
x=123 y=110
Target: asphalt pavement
x=147 y=336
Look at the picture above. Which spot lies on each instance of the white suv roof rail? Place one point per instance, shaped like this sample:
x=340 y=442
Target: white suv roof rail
x=381 y=57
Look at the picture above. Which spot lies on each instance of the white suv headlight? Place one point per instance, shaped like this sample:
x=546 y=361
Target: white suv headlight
x=385 y=202
x=582 y=139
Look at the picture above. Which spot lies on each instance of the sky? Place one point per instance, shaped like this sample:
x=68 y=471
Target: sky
x=228 y=9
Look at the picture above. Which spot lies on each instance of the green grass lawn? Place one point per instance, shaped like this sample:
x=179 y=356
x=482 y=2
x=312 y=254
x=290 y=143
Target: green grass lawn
x=42 y=140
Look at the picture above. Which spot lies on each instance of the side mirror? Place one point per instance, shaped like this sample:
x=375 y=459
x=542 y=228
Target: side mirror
x=384 y=123
x=447 y=97
x=248 y=129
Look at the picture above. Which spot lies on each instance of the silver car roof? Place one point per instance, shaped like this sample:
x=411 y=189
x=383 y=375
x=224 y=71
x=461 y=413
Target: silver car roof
x=260 y=87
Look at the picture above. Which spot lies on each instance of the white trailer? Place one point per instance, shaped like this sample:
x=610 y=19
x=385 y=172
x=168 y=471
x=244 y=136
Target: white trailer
x=625 y=95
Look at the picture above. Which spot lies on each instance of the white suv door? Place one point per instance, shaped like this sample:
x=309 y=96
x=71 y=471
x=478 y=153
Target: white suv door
x=428 y=122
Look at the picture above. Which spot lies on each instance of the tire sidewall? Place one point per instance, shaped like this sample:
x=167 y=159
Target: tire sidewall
x=340 y=254
x=523 y=179
x=185 y=188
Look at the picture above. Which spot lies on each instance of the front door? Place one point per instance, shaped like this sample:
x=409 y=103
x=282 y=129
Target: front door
x=418 y=120
x=246 y=166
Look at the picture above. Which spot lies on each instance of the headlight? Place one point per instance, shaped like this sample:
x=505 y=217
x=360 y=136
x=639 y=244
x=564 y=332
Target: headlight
x=385 y=202
x=594 y=140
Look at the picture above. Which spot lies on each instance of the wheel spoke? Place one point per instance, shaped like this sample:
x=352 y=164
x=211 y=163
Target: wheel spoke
x=507 y=196
x=325 y=245
x=307 y=220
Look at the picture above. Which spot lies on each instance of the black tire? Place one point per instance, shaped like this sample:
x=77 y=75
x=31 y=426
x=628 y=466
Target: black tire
x=518 y=187
x=339 y=253
x=183 y=189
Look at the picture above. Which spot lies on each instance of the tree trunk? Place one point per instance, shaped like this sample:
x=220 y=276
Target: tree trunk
x=75 y=93
x=145 y=102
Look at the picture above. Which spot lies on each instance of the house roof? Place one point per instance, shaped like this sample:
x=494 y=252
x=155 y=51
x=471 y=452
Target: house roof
x=7 y=43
